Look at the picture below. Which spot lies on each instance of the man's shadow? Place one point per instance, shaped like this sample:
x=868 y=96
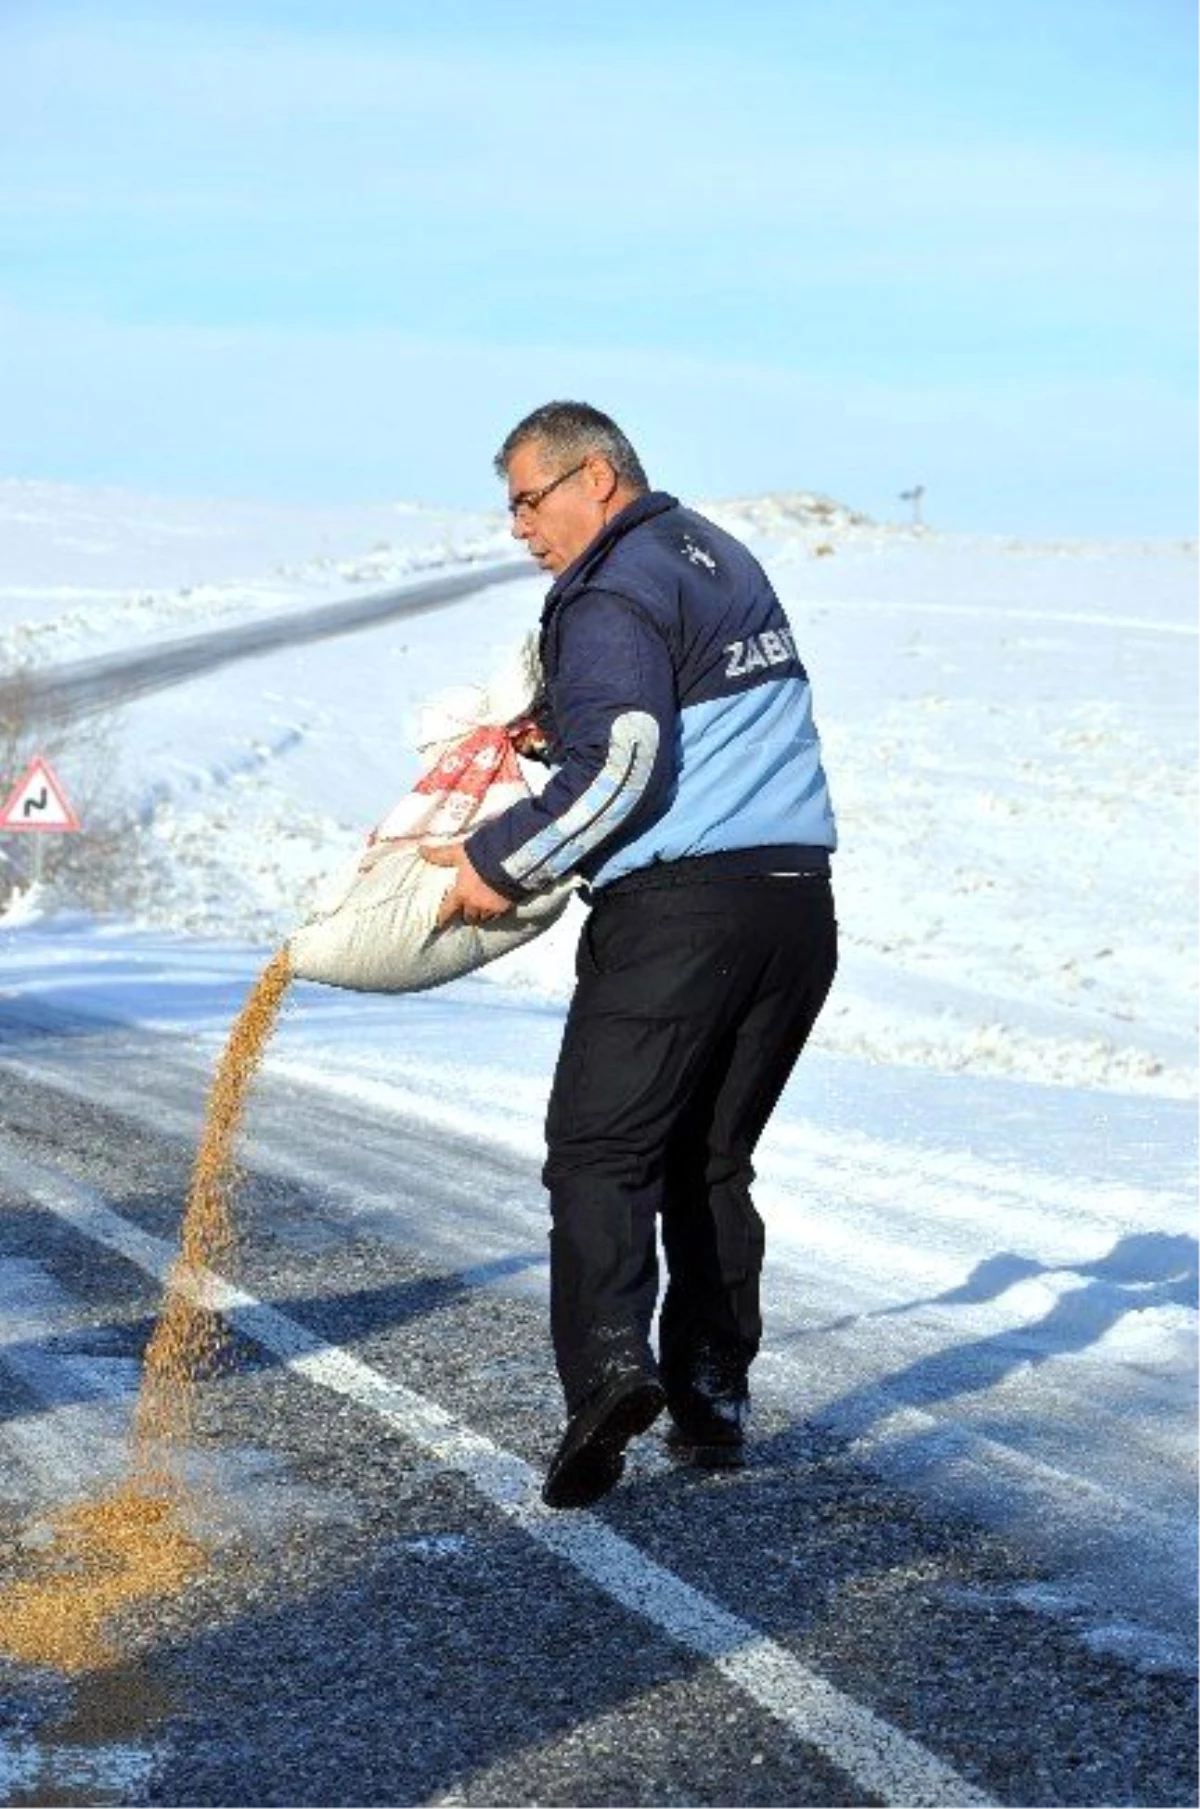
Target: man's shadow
x=1143 y=1270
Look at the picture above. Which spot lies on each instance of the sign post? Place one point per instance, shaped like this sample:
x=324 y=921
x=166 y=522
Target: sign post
x=37 y=804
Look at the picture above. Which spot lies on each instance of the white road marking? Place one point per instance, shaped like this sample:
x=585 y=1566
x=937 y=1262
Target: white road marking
x=31 y=1299
x=94 y=1774
x=879 y=1758
x=78 y=1434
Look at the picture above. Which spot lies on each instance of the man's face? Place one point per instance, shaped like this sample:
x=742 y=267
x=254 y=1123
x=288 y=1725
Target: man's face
x=567 y=518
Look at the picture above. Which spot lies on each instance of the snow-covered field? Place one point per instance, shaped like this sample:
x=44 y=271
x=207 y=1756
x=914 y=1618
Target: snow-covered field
x=980 y=1184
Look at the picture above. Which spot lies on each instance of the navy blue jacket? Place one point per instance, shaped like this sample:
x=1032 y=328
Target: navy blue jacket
x=678 y=712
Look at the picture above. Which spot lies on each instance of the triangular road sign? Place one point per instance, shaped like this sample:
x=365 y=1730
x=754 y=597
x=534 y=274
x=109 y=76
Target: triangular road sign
x=37 y=801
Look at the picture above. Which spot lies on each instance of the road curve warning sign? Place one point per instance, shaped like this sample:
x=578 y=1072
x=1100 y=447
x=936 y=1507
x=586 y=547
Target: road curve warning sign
x=37 y=801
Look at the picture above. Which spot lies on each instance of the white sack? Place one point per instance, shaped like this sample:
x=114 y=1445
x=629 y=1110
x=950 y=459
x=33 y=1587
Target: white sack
x=374 y=929
x=383 y=937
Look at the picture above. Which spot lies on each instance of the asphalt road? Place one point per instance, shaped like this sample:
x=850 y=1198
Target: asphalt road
x=79 y=688
x=389 y=1616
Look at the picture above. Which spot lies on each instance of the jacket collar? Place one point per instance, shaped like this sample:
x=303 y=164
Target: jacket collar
x=642 y=508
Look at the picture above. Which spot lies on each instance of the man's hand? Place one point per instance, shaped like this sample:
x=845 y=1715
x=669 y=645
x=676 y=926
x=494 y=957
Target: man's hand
x=468 y=897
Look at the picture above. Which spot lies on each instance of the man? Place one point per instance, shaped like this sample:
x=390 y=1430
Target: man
x=690 y=797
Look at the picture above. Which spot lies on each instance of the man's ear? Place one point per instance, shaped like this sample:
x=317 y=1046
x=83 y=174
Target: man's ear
x=601 y=478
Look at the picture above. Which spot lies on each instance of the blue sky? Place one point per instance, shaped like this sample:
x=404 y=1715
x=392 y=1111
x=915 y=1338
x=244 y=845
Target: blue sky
x=282 y=249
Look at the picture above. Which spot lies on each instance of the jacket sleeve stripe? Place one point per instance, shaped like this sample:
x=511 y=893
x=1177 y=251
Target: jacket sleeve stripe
x=596 y=812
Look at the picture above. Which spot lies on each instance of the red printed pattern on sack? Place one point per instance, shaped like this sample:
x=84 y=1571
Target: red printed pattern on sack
x=481 y=759
x=477 y=777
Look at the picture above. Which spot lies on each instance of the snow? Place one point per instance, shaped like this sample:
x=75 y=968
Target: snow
x=979 y=1186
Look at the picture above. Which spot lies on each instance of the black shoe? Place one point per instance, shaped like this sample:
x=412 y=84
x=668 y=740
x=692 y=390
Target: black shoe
x=591 y=1456
x=710 y=1454
x=709 y=1429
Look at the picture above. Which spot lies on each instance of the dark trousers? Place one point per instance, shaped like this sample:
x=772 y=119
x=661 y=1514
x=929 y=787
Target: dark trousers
x=692 y=1004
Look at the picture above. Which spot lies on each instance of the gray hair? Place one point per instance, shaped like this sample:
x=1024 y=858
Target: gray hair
x=572 y=431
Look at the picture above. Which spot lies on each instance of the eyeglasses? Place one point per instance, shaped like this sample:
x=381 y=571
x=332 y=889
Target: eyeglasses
x=525 y=502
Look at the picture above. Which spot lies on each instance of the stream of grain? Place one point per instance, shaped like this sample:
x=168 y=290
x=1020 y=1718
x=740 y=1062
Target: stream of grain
x=132 y=1544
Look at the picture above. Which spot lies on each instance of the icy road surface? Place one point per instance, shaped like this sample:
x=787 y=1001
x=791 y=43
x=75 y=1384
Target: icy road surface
x=390 y=1616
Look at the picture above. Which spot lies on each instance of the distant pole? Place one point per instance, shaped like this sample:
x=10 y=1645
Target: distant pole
x=914 y=496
